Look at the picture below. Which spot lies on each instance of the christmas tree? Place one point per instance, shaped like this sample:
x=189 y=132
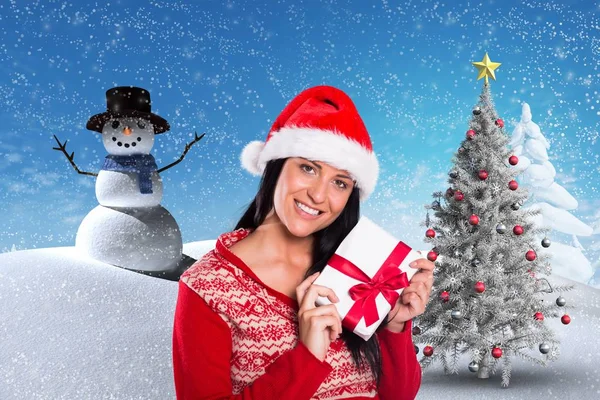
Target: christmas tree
x=487 y=294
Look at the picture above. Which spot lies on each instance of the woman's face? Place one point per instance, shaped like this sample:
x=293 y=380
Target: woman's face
x=310 y=195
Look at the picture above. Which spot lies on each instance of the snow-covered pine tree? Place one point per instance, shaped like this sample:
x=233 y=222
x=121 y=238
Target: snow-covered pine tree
x=487 y=294
x=537 y=174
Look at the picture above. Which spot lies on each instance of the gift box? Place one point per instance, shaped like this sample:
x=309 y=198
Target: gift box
x=368 y=272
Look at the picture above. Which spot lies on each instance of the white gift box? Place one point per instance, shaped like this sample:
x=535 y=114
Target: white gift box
x=371 y=249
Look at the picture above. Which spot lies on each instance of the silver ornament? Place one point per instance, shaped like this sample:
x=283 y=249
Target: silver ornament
x=546 y=242
x=453 y=174
x=435 y=205
x=501 y=228
x=476 y=263
x=477 y=110
x=416 y=349
x=515 y=206
x=544 y=348
x=456 y=314
x=561 y=301
x=473 y=366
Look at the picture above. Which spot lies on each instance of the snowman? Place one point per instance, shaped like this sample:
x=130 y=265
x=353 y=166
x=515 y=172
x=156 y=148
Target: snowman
x=129 y=228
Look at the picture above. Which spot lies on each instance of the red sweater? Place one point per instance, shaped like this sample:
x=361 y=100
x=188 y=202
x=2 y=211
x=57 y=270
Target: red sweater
x=236 y=338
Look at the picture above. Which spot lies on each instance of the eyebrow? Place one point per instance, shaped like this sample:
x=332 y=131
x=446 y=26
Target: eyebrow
x=318 y=166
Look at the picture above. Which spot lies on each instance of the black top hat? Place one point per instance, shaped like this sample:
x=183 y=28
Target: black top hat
x=127 y=101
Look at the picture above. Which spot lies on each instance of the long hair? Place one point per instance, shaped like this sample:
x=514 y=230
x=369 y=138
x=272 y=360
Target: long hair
x=326 y=241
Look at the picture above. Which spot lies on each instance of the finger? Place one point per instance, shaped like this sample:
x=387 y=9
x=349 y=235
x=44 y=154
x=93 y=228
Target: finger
x=314 y=291
x=323 y=322
x=425 y=277
x=303 y=287
x=423 y=264
x=329 y=309
x=415 y=303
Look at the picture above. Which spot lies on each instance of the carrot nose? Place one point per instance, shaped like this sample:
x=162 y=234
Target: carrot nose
x=127 y=131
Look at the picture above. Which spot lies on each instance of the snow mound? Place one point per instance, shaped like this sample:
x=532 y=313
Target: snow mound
x=75 y=328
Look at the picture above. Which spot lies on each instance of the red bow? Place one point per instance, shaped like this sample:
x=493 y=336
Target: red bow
x=388 y=279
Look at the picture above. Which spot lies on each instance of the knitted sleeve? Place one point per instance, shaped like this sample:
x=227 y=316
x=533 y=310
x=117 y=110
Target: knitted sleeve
x=401 y=377
x=201 y=359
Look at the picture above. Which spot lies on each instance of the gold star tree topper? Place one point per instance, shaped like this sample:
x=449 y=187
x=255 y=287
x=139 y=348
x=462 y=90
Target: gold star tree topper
x=486 y=68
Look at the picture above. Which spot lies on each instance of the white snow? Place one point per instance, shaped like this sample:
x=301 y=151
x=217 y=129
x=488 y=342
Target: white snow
x=75 y=328
x=537 y=176
x=561 y=220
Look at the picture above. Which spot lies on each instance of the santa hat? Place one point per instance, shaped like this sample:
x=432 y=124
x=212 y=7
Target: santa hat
x=320 y=124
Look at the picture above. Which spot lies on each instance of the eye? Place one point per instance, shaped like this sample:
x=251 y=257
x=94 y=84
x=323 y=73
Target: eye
x=115 y=124
x=341 y=184
x=141 y=125
x=307 y=168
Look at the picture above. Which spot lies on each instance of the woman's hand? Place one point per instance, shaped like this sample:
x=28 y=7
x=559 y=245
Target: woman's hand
x=319 y=326
x=414 y=298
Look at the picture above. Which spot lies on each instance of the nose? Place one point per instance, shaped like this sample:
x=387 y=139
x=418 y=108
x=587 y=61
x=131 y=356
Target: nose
x=318 y=191
x=127 y=131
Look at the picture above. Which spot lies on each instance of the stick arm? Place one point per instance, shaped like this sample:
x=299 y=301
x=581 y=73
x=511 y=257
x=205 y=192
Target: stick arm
x=63 y=148
x=187 y=147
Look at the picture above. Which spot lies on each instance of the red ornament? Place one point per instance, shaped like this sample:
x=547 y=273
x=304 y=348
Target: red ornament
x=428 y=351
x=500 y=123
x=470 y=134
x=518 y=230
x=458 y=195
x=496 y=352
x=483 y=174
x=530 y=255
x=513 y=185
x=430 y=233
x=480 y=287
x=565 y=319
x=445 y=296
x=432 y=256
x=474 y=219
x=513 y=160
x=538 y=316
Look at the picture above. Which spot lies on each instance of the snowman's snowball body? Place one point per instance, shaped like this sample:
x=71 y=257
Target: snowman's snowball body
x=146 y=239
x=121 y=189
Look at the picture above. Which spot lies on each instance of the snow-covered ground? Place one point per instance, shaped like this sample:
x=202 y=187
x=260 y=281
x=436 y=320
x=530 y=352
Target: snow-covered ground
x=74 y=328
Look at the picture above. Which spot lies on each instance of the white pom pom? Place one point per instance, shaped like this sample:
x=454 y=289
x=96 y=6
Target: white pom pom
x=249 y=157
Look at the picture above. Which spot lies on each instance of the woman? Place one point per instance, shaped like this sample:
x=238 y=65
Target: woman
x=246 y=324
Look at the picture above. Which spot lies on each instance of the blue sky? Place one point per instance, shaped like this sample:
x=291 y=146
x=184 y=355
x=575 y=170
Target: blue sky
x=228 y=69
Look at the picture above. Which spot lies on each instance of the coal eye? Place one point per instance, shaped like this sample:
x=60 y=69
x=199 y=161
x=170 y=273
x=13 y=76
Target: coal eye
x=115 y=124
x=141 y=125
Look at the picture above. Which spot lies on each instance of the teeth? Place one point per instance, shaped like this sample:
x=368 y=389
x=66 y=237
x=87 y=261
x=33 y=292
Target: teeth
x=307 y=209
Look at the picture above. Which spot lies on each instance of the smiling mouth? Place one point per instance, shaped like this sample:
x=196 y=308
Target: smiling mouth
x=307 y=209
x=127 y=145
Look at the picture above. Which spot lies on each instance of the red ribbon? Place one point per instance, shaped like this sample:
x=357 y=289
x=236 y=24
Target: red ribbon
x=388 y=279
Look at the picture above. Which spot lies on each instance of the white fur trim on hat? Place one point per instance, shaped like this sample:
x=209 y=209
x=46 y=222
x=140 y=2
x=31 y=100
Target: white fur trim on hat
x=249 y=157
x=327 y=146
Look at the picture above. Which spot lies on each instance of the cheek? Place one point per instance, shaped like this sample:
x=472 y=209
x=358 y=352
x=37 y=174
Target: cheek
x=338 y=202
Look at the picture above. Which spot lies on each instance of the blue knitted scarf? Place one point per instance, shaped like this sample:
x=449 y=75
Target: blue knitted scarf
x=142 y=164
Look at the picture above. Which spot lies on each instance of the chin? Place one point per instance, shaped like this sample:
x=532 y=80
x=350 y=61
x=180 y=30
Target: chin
x=301 y=230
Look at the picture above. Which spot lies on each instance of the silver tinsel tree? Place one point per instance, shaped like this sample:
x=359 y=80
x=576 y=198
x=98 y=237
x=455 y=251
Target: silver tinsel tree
x=487 y=298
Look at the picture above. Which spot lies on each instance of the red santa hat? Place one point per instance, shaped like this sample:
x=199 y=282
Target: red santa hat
x=320 y=124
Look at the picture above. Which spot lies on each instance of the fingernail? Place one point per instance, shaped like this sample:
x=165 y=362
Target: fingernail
x=413 y=264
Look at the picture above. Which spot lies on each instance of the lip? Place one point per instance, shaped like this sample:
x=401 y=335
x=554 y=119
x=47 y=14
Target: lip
x=304 y=214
